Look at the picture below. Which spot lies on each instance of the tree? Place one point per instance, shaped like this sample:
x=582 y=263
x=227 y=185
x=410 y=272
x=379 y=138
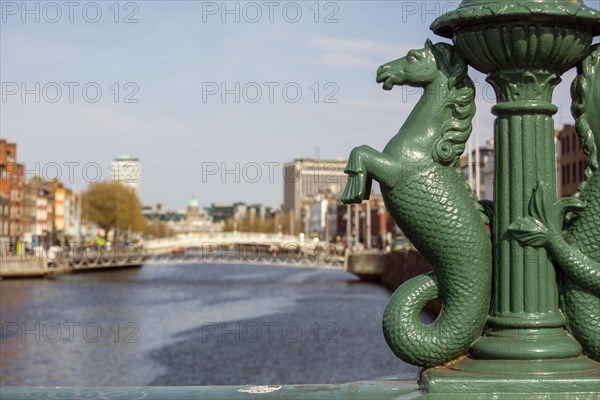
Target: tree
x=112 y=205
x=158 y=229
x=267 y=225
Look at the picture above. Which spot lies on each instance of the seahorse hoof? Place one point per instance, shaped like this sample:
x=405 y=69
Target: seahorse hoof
x=355 y=189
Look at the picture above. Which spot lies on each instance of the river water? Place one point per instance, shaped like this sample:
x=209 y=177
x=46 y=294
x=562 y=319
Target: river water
x=194 y=324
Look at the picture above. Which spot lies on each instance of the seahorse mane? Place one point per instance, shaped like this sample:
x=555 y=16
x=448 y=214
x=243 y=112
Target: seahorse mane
x=460 y=97
x=582 y=93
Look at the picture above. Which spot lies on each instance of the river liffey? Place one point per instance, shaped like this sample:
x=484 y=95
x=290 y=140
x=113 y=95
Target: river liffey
x=194 y=324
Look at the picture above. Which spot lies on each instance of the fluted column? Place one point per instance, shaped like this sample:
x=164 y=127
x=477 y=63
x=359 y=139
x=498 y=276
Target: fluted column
x=525 y=322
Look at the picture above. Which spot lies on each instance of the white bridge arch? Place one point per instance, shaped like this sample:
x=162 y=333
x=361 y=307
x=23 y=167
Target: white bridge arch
x=157 y=247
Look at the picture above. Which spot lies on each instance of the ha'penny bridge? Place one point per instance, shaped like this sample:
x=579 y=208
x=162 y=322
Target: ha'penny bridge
x=251 y=248
x=224 y=248
x=521 y=306
x=232 y=241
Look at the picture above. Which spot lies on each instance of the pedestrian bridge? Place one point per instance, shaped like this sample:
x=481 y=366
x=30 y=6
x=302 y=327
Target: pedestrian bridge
x=243 y=247
x=231 y=241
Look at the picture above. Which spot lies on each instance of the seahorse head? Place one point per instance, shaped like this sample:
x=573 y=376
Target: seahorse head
x=420 y=67
x=439 y=69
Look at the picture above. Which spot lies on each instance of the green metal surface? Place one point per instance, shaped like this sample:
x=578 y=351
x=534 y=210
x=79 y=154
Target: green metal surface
x=370 y=390
x=578 y=252
x=545 y=251
x=495 y=12
x=524 y=56
x=426 y=194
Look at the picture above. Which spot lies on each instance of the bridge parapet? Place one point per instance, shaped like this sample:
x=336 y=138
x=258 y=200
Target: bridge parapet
x=157 y=247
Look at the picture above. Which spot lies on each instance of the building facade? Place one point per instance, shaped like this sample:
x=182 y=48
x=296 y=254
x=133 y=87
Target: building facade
x=193 y=220
x=571 y=161
x=356 y=228
x=60 y=195
x=321 y=218
x=12 y=184
x=306 y=178
x=72 y=214
x=127 y=170
x=4 y=215
x=40 y=222
x=480 y=175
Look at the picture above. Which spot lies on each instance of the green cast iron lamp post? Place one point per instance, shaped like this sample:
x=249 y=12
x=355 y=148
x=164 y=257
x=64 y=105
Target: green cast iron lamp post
x=524 y=47
x=521 y=311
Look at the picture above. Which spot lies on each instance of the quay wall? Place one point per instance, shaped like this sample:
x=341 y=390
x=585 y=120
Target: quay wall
x=390 y=269
x=21 y=266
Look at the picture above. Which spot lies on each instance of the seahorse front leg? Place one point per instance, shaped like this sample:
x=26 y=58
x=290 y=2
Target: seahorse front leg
x=364 y=165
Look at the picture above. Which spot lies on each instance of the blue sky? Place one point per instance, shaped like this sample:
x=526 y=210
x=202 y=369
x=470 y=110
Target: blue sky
x=315 y=72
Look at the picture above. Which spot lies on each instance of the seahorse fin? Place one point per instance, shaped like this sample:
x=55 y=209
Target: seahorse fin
x=530 y=231
x=546 y=217
x=552 y=214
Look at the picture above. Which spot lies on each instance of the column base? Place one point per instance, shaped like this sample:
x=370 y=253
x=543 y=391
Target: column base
x=525 y=344
x=468 y=378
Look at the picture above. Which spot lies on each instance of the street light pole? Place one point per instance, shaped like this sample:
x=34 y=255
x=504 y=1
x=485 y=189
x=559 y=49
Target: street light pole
x=368 y=226
x=524 y=52
x=348 y=226
x=357 y=224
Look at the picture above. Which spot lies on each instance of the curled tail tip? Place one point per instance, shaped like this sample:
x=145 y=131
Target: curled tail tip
x=420 y=344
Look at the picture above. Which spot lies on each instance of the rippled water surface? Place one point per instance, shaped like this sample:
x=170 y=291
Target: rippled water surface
x=194 y=324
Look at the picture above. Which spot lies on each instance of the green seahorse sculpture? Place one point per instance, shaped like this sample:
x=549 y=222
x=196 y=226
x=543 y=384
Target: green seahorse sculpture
x=425 y=192
x=577 y=249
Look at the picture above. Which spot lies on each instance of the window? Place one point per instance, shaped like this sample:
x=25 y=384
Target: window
x=571 y=144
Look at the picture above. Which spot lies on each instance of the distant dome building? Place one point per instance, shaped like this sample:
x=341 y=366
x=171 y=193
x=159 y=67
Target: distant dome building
x=193 y=209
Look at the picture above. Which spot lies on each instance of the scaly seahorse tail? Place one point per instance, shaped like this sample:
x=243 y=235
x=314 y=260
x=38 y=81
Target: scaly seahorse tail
x=439 y=214
x=428 y=345
x=579 y=294
x=402 y=323
x=581 y=283
x=581 y=306
x=582 y=310
x=578 y=267
x=580 y=301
